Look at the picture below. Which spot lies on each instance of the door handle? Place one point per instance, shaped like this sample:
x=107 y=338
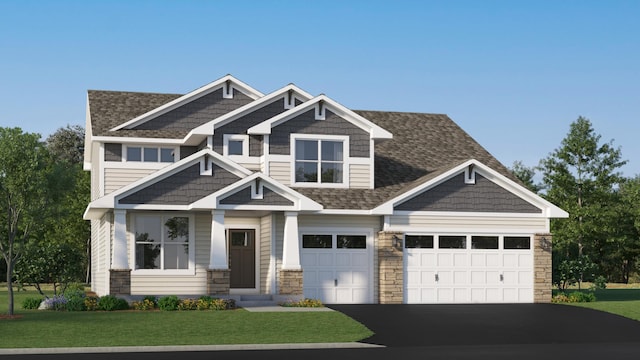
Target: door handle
x=501 y=277
x=437 y=278
x=335 y=282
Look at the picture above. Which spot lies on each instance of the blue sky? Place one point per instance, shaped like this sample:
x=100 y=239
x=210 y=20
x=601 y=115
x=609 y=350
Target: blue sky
x=513 y=74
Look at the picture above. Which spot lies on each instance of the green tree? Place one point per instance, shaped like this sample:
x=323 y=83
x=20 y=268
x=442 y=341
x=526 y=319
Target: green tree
x=63 y=222
x=581 y=176
x=23 y=194
x=623 y=248
x=526 y=175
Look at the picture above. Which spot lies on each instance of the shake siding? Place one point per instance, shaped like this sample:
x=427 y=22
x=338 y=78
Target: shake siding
x=359 y=176
x=280 y=171
x=265 y=254
x=114 y=179
x=181 y=284
x=462 y=223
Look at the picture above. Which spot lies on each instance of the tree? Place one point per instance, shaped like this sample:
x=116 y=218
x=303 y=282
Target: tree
x=581 y=177
x=67 y=144
x=23 y=184
x=526 y=175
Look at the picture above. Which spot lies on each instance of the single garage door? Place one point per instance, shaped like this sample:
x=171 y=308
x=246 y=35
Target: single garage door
x=337 y=266
x=468 y=269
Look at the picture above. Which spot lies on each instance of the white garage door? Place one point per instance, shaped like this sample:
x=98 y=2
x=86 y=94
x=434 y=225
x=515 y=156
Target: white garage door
x=468 y=269
x=337 y=267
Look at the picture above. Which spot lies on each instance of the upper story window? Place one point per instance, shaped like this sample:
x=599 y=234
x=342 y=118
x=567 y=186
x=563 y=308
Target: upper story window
x=235 y=145
x=320 y=160
x=150 y=154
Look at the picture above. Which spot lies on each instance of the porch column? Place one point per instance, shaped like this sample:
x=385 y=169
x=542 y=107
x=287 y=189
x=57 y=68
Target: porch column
x=218 y=253
x=291 y=245
x=542 y=268
x=119 y=272
x=120 y=260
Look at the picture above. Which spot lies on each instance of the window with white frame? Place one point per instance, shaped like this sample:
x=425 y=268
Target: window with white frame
x=150 y=154
x=320 y=161
x=163 y=242
x=235 y=145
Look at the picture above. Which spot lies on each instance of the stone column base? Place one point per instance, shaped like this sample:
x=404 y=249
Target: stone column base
x=218 y=281
x=542 y=268
x=390 y=267
x=290 y=282
x=120 y=282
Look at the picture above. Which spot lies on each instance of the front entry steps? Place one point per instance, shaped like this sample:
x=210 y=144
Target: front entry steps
x=255 y=300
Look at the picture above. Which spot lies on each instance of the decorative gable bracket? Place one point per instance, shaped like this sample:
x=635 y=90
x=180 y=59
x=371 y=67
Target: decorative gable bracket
x=470 y=175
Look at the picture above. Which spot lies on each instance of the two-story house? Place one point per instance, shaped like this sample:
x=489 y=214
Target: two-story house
x=228 y=192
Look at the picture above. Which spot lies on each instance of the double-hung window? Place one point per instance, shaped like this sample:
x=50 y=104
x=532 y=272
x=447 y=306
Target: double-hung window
x=320 y=161
x=163 y=242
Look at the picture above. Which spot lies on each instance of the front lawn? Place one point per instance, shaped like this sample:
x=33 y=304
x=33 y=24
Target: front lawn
x=620 y=300
x=40 y=328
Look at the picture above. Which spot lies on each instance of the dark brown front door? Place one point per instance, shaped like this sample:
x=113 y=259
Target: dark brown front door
x=242 y=260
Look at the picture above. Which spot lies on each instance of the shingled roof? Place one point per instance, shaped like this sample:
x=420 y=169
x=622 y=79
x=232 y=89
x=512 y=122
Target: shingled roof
x=423 y=146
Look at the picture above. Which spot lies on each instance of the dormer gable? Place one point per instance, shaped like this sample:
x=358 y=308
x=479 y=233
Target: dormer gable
x=197 y=107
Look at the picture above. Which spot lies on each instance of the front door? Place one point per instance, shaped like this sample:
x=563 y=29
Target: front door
x=242 y=260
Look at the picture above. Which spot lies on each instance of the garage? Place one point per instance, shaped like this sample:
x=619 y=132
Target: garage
x=453 y=268
x=337 y=266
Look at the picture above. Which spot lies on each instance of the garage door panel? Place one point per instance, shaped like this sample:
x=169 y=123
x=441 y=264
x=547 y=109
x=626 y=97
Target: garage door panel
x=325 y=259
x=479 y=275
x=309 y=259
x=359 y=259
x=343 y=259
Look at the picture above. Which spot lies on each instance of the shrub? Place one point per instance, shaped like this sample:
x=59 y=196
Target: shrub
x=112 y=303
x=91 y=303
x=204 y=302
x=303 y=303
x=148 y=303
x=31 y=303
x=579 y=296
x=168 y=303
x=188 y=304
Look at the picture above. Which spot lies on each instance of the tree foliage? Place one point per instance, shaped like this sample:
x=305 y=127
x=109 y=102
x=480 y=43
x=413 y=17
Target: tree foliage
x=24 y=179
x=582 y=177
x=526 y=175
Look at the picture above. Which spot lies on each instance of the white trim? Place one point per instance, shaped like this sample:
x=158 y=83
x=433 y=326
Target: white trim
x=244 y=157
x=191 y=96
x=101 y=169
x=471 y=214
x=191 y=270
x=137 y=140
x=346 y=160
x=273 y=258
x=139 y=165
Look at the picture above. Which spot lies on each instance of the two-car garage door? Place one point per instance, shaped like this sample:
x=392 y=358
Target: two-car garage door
x=468 y=269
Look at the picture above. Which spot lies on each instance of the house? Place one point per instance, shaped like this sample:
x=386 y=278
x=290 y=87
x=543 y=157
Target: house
x=230 y=192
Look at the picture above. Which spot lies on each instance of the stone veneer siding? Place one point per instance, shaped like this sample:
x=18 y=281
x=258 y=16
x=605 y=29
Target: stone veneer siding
x=542 y=268
x=120 y=282
x=390 y=266
x=218 y=281
x=290 y=282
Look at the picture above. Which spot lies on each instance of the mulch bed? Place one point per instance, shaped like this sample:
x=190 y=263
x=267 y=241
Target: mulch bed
x=10 y=317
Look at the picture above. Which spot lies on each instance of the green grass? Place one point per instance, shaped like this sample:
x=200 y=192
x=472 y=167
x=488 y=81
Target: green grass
x=623 y=301
x=37 y=328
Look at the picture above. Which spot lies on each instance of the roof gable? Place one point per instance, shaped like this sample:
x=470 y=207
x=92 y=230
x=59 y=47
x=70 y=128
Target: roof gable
x=320 y=105
x=446 y=192
x=205 y=103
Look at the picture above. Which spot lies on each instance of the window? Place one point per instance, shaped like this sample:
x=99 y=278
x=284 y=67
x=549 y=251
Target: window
x=418 y=241
x=235 y=145
x=452 y=242
x=313 y=241
x=150 y=154
x=162 y=242
x=319 y=161
x=517 y=242
x=484 y=242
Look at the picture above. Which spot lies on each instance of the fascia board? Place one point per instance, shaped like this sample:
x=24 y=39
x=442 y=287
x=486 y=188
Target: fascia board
x=209 y=128
x=88 y=133
x=137 y=140
x=195 y=94
x=375 y=131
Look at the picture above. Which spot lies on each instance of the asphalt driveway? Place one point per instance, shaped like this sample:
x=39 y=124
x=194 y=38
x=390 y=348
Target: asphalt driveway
x=490 y=324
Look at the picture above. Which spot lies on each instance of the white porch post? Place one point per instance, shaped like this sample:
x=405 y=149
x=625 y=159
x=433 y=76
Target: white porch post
x=120 y=260
x=291 y=246
x=218 y=252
